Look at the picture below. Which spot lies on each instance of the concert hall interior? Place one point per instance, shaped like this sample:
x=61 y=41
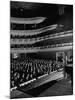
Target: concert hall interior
x=41 y=49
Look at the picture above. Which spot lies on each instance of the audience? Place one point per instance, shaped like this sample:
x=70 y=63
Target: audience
x=23 y=70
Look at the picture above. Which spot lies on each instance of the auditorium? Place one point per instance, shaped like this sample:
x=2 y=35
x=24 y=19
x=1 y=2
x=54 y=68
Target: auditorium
x=41 y=49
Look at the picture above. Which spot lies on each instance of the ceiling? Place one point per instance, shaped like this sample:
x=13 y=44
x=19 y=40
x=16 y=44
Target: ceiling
x=31 y=9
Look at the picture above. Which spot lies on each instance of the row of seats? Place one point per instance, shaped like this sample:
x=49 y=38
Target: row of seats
x=54 y=30
x=47 y=39
x=33 y=32
x=28 y=69
x=46 y=33
x=40 y=47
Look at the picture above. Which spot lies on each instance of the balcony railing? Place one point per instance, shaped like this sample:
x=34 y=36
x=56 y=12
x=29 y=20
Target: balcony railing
x=39 y=39
x=34 y=20
x=63 y=46
x=32 y=32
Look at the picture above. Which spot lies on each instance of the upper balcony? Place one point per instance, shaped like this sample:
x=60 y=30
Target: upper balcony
x=34 y=20
x=56 y=47
x=42 y=39
x=32 y=32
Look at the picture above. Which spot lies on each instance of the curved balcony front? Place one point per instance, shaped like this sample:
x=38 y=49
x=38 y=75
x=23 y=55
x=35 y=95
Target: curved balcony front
x=35 y=20
x=32 y=32
x=55 y=36
x=57 y=47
